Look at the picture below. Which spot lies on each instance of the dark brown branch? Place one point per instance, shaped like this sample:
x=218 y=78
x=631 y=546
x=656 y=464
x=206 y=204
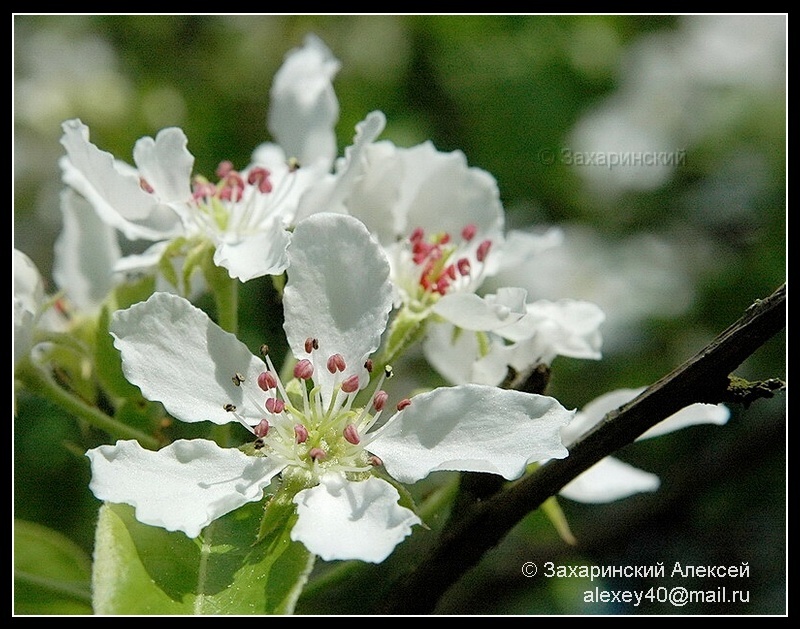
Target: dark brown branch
x=702 y=378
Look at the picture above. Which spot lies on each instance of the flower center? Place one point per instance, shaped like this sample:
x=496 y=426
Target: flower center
x=309 y=432
x=437 y=264
x=240 y=201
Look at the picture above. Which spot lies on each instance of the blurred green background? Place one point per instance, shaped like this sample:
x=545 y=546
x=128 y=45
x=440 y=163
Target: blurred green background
x=673 y=252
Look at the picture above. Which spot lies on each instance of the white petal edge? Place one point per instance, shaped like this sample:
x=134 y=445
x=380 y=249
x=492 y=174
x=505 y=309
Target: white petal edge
x=178 y=356
x=471 y=427
x=607 y=480
x=182 y=487
x=255 y=255
x=86 y=252
x=112 y=189
x=471 y=312
x=303 y=107
x=338 y=292
x=341 y=519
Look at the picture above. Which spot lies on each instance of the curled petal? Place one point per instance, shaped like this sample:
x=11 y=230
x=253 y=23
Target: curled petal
x=607 y=480
x=473 y=428
x=337 y=291
x=340 y=519
x=182 y=487
x=178 y=356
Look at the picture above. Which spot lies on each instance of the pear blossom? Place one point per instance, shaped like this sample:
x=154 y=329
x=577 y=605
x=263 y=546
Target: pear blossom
x=28 y=300
x=440 y=221
x=611 y=479
x=322 y=436
x=244 y=214
x=84 y=252
x=548 y=329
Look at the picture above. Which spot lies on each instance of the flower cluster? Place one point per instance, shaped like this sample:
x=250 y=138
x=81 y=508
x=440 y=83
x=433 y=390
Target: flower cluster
x=381 y=248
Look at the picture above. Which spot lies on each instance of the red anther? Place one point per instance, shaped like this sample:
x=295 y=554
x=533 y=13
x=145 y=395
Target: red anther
x=224 y=168
x=275 y=405
x=262 y=428
x=417 y=235
x=469 y=231
x=318 y=454
x=483 y=250
x=300 y=433
x=463 y=266
x=267 y=381
x=375 y=461
x=442 y=284
x=380 y=400
x=450 y=271
x=310 y=345
x=145 y=186
x=404 y=403
x=368 y=365
x=350 y=384
x=443 y=238
x=260 y=176
x=303 y=369
x=336 y=363
x=351 y=434
x=203 y=190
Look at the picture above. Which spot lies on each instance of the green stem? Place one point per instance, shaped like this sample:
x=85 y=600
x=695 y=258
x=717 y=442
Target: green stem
x=38 y=381
x=226 y=295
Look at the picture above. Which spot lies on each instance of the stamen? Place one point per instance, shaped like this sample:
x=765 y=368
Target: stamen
x=310 y=345
x=404 y=403
x=350 y=433
x=336 y=363
x=350 y=385
x=483 y=250
x=303 y=370
x=261 y=429
x=317 y=454
x=381 y=397
x=300 y=433
x=469 y=231
x=275 y=405
x=266 y=381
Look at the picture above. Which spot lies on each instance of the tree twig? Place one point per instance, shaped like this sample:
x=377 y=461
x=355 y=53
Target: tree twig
x=703 y=378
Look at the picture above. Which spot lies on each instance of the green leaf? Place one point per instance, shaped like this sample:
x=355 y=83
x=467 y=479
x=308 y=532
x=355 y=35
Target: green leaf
x=141 y=569
x=51 y=573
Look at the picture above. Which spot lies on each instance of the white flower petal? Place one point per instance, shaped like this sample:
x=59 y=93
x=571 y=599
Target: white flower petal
x=166 y=164
x=177 y=356
x=331 y=192
x=593 y=413
x=691 y=415
x=340 y=519
x=444 y=194
x=337 y=291
x=256 y=254
x=113 y=190
x=607 y=480
x=471 y=312
x=28 y=297
x=85 y=253
x=182 y=487
x=471 y=428
x=451 y=354
x=303 y=107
